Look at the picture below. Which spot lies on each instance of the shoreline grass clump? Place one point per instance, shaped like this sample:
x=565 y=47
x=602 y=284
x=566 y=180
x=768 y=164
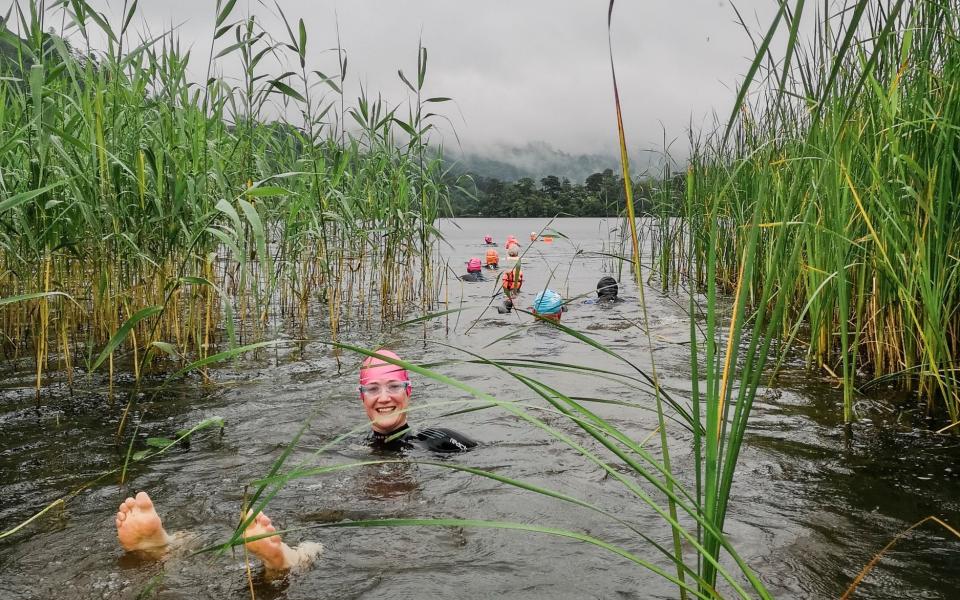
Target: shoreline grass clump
x=160 y=217
x=852 y=151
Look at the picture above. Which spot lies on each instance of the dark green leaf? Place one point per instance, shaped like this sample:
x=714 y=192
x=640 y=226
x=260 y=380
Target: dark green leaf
x=123 y=332
x=287 y=90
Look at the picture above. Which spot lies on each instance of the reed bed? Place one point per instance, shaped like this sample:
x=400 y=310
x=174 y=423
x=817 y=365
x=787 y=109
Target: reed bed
x=159 y=218
x=850 y=150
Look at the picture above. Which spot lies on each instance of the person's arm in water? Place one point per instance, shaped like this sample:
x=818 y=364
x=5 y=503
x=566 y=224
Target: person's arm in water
x=441 y=439
x=435 y=439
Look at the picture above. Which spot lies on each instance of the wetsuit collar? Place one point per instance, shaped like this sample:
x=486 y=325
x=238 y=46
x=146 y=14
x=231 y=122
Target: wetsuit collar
x=378 y=437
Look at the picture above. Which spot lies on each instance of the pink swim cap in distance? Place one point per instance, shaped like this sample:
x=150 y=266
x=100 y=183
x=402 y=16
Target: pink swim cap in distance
x=374 y=368
x=488 y=238
x=473 y=265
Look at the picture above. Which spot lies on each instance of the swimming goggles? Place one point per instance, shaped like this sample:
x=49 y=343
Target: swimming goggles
x=394 y=387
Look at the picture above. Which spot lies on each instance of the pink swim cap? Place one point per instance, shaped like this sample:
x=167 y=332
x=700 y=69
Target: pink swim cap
x=374 y=368
x=488 y=238
x=473 y=265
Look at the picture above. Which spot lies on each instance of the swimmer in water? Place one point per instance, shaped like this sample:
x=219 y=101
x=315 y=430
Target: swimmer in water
x=512 y=282
x=548 y=305
x=607 y=290
x=488 y=240
x=493 y=259
x=385 y=392
x=474 y=271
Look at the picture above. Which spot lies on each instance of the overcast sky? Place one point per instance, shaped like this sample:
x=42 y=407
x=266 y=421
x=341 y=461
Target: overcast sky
x=519 y=70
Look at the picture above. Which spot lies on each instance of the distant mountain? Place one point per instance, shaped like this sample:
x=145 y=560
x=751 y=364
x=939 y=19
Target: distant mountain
x=533 y=159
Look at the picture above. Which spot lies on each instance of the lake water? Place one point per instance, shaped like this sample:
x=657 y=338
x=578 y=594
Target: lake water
x=812 y=502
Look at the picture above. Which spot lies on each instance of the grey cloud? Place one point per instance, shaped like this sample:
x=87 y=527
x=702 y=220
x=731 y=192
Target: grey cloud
x=521 y=71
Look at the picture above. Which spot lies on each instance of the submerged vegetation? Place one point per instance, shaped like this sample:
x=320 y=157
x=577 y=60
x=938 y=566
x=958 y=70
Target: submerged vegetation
x=144 y=213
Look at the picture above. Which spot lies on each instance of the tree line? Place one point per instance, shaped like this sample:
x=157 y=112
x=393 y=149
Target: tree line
x=600 y=195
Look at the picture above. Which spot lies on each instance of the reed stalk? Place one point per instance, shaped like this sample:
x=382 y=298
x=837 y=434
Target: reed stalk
x=850 y=142
x=128 y=186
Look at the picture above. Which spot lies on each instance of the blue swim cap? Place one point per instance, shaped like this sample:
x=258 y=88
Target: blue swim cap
x=547 y=302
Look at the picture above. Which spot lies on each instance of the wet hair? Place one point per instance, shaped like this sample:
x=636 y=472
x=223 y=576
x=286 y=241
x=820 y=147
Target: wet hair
x=607 y=287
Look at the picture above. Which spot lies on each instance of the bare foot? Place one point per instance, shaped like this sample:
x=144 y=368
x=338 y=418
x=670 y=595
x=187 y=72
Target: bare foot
x=271 y=550
x=276 y=555
x=139 y=526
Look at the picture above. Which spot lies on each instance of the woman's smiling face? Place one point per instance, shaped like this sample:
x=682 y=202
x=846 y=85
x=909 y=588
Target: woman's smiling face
x=385 y=401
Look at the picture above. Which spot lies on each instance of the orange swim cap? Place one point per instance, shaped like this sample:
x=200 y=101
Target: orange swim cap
x=492 y=257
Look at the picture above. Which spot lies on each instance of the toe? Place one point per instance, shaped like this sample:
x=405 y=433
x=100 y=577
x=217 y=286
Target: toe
x=143 y=501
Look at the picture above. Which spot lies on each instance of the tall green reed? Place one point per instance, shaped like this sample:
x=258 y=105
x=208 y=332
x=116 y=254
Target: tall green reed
x=850 y=151
x=127 y=185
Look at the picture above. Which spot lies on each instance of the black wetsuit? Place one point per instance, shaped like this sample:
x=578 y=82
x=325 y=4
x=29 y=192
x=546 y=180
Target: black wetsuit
x=435 y=439
x=476 y=276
